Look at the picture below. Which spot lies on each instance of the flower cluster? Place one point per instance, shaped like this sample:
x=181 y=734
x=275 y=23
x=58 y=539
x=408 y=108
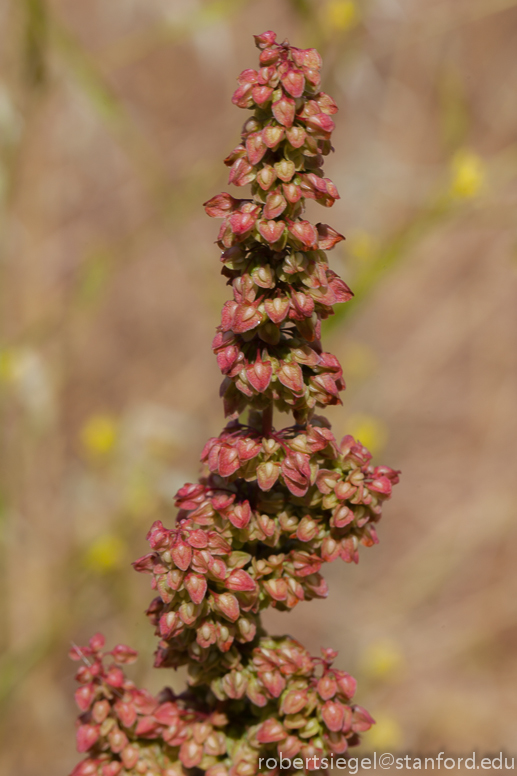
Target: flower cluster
x=255 y=533
x=126 y=730
x=303 y=705
x=300 y=705
x=274 y=259
x=272 y=506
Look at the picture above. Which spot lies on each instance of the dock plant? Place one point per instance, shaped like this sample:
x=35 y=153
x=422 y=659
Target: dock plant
x=275 y=502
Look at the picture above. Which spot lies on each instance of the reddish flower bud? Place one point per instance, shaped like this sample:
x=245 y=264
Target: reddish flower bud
x=285 y=170
x=115 y=677
x=111 y=769
x=307 y=529
x=227 y=605
x=223 y=637
x=117 y=739
x=123 y=654
x=234 y=684
x=240 y=515
x=197 y=538
x=276 y=588
x=181 y=555
x=272 y=135
x=248 y=448
x=294 y=702
x=349 y=550
x=261 y=95
x=241 y=173
x=247 y=629
x=380 y=485
x=327 y=687
x=274 y=683
x=296 y=136
x=271 y=231
x=190 y=754
x=320 y=121
x=130 y=756
x=126 y=713
x=168 y=624
x=306 y=58
x=277 y=308
x=294 y=82
x=259 y=375
x=248 y=76
x=255 y=146
x=304 y=232
x=196 y=587
x=327 y=237
x=242 y=96
x=242 y=223
x=271 y=730
x=341 y=516
x=269 y=56
x=333 y=715
x=97 y=642
x=297 y=471
x=303 y=303
x=291 y=376
x=145 y=564
x=265 y=39
x=100 y=711
x=267 y=474
x=266 y=177
x=289 y=747
x=247 y=316
x=283 y=111
x=87 y=736
x=346 y=683
x=292 y=192
x=206 y=635
x=240 y=581
x=86 y=768
x=275 y=205
x=326 y=103
x=228 y=461
x=220 y=205
x=84 y=696
x=361 y=720
x=330 y=549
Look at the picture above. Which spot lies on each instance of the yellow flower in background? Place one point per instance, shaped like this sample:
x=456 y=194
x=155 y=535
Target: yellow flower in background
x=99 y=435
x=382 y=660
x=362 y=245
x=7 y=365
x=105 y=554
x=341 y=14
x=386 y=734
x=368 y=430
x=467 y=174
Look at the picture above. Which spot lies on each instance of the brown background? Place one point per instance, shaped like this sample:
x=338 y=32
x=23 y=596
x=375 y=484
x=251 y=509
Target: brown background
x=114 y=119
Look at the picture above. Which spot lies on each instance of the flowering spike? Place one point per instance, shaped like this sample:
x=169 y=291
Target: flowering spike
x=273 y=504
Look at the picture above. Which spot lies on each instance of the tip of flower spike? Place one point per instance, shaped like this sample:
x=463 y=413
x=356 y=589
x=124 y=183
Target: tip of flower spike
x=265 y=39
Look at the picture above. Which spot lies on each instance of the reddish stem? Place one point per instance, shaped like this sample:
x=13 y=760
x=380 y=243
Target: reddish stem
x=267 y=420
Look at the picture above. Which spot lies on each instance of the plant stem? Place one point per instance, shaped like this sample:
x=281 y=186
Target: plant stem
x=267 y=420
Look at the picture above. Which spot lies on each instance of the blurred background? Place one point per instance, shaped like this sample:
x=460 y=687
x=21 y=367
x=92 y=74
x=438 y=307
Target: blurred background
x=114 y=119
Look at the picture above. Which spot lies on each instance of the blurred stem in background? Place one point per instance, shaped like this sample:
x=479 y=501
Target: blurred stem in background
x=36 y=42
